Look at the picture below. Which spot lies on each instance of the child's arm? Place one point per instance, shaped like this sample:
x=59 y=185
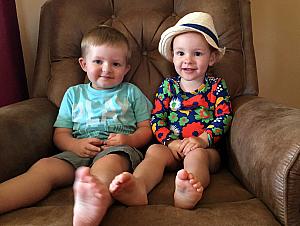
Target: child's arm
x=86 y=147
x=142 y=135
x=159 y=119
x=138 y=139
x=222 y=114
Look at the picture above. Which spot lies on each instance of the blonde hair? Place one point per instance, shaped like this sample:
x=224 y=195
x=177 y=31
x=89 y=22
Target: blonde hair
x=101 y=35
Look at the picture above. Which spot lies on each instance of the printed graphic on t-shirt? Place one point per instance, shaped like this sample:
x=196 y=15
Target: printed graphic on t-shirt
x=113 y=110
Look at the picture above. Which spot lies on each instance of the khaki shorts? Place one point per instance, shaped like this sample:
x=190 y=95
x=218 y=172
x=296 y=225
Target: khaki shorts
x=134 y=156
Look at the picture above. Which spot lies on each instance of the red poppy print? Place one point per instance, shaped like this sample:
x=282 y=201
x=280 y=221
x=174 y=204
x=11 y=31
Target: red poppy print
x=166 y=102
x=161 y=133
x=211 y=97
x=192 y=130
x=195 y=101
x=157 y=106
x=222 y=109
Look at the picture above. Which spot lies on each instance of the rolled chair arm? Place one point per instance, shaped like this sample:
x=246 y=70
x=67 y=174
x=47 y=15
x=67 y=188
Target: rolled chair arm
x=264 y=154
x=26 y=131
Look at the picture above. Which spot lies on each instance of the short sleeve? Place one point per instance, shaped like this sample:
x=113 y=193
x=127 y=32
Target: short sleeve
x=64 y=117
x=142 y=105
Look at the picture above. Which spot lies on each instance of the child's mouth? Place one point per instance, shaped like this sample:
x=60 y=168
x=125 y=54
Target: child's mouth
x=105 y=77
x=188 y=69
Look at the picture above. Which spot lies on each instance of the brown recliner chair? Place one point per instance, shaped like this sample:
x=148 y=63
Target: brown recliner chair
x=259 y=182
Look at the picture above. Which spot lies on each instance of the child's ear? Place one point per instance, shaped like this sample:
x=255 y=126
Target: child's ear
x=213 y=58
x=127 y=68
x=82 y=63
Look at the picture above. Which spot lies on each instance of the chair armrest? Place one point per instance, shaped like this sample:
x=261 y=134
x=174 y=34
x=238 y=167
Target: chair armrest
x=264 y=154
x=26 y=131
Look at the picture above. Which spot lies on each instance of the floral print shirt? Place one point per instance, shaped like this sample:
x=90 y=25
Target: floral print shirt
x=178 y=114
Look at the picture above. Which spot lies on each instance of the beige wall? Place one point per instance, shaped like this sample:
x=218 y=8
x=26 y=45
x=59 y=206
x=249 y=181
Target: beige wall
x=276 y=29
x=28 y=16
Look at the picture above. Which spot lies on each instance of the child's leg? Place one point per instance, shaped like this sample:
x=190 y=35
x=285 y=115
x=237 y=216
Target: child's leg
x=92 y=197
x=195 y=177
x=35 y=184
x=132 y=189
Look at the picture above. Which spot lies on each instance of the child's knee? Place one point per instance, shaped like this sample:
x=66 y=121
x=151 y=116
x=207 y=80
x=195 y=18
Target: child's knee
x=157 y=151
x=199 y=153
x=43 y=164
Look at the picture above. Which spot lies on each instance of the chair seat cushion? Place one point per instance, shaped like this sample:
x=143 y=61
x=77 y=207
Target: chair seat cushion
x=224 y=197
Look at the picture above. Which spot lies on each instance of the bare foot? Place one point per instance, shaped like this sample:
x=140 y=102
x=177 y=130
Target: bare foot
x=188 y=191
x=92 y=199
x=128 y=190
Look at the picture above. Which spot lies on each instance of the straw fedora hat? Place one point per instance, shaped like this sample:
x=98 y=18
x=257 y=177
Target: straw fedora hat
x=197 y=22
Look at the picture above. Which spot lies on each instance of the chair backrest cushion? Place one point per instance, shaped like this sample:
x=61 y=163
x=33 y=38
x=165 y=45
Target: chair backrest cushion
x=63 y=23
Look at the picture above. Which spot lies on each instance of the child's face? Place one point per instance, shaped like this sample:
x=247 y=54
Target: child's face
x=191 y=56
x=105 y=65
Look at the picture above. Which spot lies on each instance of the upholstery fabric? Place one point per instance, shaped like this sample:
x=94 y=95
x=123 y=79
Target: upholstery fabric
x=143 y=24
x=269 y=168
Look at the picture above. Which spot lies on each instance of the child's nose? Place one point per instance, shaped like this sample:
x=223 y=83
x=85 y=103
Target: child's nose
x=187 y=59
x=106 y=67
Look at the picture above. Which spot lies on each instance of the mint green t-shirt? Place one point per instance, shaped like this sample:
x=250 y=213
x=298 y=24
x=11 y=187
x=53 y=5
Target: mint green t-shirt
x=97 y=113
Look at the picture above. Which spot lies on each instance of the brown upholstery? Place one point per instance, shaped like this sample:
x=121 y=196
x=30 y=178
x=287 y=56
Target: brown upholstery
x=259 y=183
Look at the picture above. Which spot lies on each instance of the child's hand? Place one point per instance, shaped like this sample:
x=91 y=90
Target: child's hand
x=191 y=143
x=175 y=147
x=87 y=147
x=115 y=139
